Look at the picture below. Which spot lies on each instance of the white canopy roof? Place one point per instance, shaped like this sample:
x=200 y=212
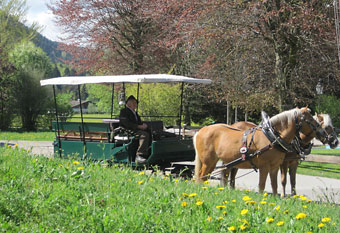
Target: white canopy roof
x=144 y=78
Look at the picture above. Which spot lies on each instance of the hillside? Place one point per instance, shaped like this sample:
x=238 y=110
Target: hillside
x=49 y=47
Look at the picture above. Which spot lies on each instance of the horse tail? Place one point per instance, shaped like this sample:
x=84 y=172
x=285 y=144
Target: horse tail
x=198 y=163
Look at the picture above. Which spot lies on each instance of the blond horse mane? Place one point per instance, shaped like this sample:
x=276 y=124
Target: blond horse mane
x=327 y=121
x=282 y=119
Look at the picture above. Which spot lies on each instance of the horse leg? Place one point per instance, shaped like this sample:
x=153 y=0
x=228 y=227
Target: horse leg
x=292 y=174
x=273 y=179
x=263 y=177
x=284 y=168
x=233 y=173
x=224 y=176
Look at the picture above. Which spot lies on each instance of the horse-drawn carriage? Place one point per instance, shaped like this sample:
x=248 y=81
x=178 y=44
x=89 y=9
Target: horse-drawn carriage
x=108 y=140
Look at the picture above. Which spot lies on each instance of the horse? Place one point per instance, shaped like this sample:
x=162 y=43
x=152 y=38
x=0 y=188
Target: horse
x=222 y=142
x=291 y=160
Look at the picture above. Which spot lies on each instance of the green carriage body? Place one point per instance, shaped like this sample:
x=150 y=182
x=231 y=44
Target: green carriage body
x=96 y=144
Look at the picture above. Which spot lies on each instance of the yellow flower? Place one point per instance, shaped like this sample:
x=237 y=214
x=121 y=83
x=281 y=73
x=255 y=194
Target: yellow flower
x=185 y=194
x=334 y=223
x=220 y=188
x=206 y=182
x=264 y=199
x=303 y=198
x=221 y=207
x=272 y=203
x=192 y=194
x=246 y=198
x=269 y=220
x=301 y=216
x=204 y=187
x=199 y=203
x=75 y=162
x=280 y=223
x=184 y=204
x=257 y=207
x=233 y=201
x=224 y=212
x=265 y=194
x=247 y=190
x=220 y=218
x=326 y=219
x=321 y=225
x=16 y=145
x=80 y=168
x=209 y=219
x=140 y=182
x=244 y=211
x=225 y=202
x=304 y=206
x=251 y=202
x=232 y=228
x=277 y=208
x=263 y=202
x=285 y=212
x=141 y=173
x=193 y=179
x=245 y=221
x=243 y=227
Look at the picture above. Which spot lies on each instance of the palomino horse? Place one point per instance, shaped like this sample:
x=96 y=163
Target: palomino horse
x=292 y=158
x=221 y=142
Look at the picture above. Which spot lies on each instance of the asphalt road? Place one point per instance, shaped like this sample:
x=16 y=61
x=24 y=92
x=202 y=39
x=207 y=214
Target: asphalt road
x=315 y=188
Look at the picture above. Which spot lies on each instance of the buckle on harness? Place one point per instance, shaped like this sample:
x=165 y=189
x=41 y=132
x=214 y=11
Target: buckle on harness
x=243 y=150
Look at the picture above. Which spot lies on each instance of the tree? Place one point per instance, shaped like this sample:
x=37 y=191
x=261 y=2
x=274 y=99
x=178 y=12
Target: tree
x=12 y=31
x=109 y=36
x=30 y=99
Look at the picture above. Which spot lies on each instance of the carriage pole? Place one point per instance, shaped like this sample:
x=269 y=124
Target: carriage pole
x=82 y=120
x=181 y=110
x=113 y=93
x=56 y=114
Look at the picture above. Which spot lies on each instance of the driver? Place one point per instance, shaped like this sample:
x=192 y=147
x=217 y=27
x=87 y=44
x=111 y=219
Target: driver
x=130 y=119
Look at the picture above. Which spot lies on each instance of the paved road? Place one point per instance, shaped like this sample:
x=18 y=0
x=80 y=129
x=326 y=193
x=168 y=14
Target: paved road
x=315 y=188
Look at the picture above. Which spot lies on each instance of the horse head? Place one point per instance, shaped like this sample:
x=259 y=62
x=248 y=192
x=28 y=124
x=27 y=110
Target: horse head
x=326 y=123
x=309 y=127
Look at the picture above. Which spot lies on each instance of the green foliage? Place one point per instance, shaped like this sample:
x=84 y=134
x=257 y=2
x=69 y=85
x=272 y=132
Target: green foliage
x=330 y=104
x=30 y=98
x=39 y=194
x=27 y=136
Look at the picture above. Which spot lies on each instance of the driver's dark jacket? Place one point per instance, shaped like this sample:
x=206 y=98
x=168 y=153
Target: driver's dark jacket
x=128 y=120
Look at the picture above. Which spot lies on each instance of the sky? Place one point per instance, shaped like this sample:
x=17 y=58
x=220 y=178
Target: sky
x=38 y=12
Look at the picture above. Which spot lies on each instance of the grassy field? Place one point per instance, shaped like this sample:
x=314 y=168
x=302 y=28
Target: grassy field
x=323 y=151
x=319 y=169
x=27 y=136
x=51 y=195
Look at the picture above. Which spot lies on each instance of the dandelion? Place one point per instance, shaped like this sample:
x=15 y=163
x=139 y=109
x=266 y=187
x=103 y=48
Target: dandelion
x=225 y=202
x=285 y=212
x=280 y=223
x=303 y=198
x=220 y=218
x=263 y=202
x=75 y=162
x=220 y=188
x=216 y=193
x=244 y=221
x=141 y=173
x=176 y=181
x=225 y=212
x=326 y=219
x=243 y=227
x=265 y=194
x=9 y=146
x=251 y=202
x=199 y=203
x=269 y=220
x=209 y=219
x=233 y=201
x=334 y=223
x=221 y=207
x=140 y=182
x=246 y=198
x=193 y=179
x=301 y=216
x=185 y=194
x=277 y=208
x=80 y=168
x=16 y=145
x=184 y=204
x=257 y=207
x=207 y=182
x=304 y=206
x=321 y=225
x=192 y=194
x=244 y=211
x=272 y=203
x=232 y=228
x=67 y=167
x=204 y=187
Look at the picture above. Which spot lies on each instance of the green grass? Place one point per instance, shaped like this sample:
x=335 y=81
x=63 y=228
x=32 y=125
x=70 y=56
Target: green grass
x=38 y=194
x=27 y=136
x=323 y=151
x=319 y=169
x=90 y=118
